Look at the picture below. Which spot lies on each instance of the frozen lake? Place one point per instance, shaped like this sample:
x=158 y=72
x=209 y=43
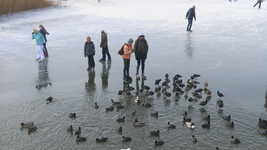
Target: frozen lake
x=227 y=48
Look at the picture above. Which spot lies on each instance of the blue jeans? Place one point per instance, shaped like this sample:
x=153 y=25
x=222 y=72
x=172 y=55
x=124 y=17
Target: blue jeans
x=190 y=21
x=142 y=58
x=104 y=52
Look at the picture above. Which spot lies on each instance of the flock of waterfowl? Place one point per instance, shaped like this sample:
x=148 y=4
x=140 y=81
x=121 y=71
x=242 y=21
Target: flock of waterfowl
x=178 y=89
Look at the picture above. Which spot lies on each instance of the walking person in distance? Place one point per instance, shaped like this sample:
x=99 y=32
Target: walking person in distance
x=189 y=16
x=89 y=51
x=104 y=46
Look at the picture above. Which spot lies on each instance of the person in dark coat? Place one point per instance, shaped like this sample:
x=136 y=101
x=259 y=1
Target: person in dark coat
x=190 y=15
x=141 y=49
x=89 y=51
x=258 y=2
x=44 y=32
x=104 y=46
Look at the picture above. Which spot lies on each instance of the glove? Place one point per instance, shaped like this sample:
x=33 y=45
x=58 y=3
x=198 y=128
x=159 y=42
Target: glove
x=32 y=32
x=84 y=55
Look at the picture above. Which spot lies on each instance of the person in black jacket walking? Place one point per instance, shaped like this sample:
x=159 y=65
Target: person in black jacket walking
x=190 y=15
x=89 y=51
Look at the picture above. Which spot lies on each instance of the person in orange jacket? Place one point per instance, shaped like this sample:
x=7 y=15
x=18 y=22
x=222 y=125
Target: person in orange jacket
x=127 y=51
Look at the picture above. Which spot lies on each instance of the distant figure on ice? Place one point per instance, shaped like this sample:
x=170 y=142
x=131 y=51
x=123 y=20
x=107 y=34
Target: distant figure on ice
x=141 y=49
x=39 y=42
x=258 y=2
x=190 y=15
x=89 y=51
x=99 y=0
x=104 y=46
x=44 y=32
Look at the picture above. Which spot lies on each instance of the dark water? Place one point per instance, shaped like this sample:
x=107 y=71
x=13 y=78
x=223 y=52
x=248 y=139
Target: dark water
x=224 y=49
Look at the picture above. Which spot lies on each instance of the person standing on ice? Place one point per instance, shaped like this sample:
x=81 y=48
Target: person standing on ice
x=39 y=42
x=127 y=51
x=141 y=49
x=89 y=51
x=44 y=32
x=104 y=46
x=258 y=2
x=190 y=15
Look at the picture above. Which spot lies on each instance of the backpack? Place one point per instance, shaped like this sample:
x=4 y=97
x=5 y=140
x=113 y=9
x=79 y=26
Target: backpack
x=121 y=51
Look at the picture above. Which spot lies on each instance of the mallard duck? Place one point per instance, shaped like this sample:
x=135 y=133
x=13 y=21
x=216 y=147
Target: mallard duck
x=119 y=129
x=78 y=132
x=110 y=109
x=96 y=106
x=230 y=124
x=171 y=125
x=235 y=140
x=125 y=139
x=69 y=128
x=156 y=133
x=206 y=125
x=158 y=143
x=121 y=119
x=72 y=115
x=103 y=139
x=26 y=124
x=78 y=138
x=49 y=99
x=138 y=123
x=219 y=94
x=208 y=92
x=154 y=114
x=206 y=84
x=194 y=139
x=114 y=103
x=190 y=125
x=226 y=117
x=31 y=129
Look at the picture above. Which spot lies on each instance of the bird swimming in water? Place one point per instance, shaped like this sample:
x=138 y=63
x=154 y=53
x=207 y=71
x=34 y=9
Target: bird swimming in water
x=235 y=140
x=206 y=117
x=72 y=115
x=158 y=143
x=121 y=119
x=262 y=121
x=78 y=132
x=114 y=103
x=31 y=129
x=203 y=103
x=119 y=106
x=206 y=84
x=194 y=139
x=49 y=99
x=230 y=124
x=26 y=124
x=155 y=133
x=96 y=106
x=119 y=129
x=110 y=109
x=184 y=112
x=186 y=119
x=146 y=105
x=103 y=139
x=70 y=128
x=171 y=125
x=226 y=117
x=219 y=94
x=78 y=138
x=154 y=114
x=126 y=139
x=137 y=100
x=206 y=125
x=190 y=125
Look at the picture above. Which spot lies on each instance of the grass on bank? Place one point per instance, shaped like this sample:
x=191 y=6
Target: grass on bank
x=11 y=6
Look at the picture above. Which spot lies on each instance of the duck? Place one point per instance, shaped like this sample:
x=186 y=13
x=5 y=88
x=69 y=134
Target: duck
x=186 y=119
x=262 y=121
x=155 y=133
x=110 y=109
x=114 y=103
x=235 y=140
x=219 y=94
x=121 y=119
x=171 y=125
x=206 y=117
x=147 y=87
x=119 y=106
x=146 y=105
x=167 y=94
x=31 y=129
x=262 y=125
x=195 y=94
x=49 y=99
x=78 y=138
x=133 y=112
x=26 y=124
x=190 y=99
x=157 y=81
x=206 y=125
x=154 y=114
x=206 y=84
x=184 y=112
x=120 y=92
x=150 y=93
x=230 y=124
x=193 y=139
x=190 y=125
x=208 y=92
x=137 y=100
x=119 y=129
x=158 y=143
x=72 y=115
x=196 y=75
x=263 y=132
x=199 y=90
x=103 y=139
x=226 y=117
x=96 y=106
x=217 y=148
x=78 y=132
x=220 y=104
x=69 y=128
x=181 y=85
x=203 y=103
x=139 y=123
x=126 y=139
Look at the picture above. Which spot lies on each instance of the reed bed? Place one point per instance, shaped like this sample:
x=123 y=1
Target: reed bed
x=11 y=6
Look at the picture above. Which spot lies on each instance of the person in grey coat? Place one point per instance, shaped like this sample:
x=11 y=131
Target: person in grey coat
x=190 y=15
x=89 y=51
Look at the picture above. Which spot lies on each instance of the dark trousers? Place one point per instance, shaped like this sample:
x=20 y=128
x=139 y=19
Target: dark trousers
x=142 y=58
x=257 y=4
x=91 y=61
x=44 y=47
x=104 y=52
x=190 y=22
x=126 y=67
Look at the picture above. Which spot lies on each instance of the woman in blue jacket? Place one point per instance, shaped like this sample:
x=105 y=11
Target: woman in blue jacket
x=39 y=42
x=44 y=32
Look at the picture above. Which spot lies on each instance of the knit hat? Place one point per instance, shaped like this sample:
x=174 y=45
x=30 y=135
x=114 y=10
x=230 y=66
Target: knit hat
x=130 y=41
x=102 y=32
x=142 y=34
